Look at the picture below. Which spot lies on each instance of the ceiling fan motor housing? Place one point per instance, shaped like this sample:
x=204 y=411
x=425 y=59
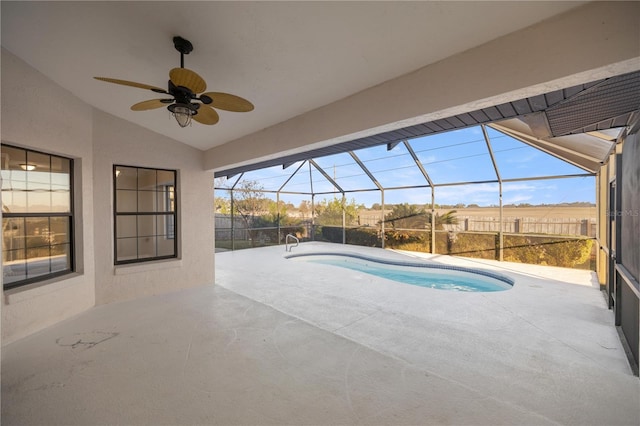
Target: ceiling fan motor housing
x=183 y=46
x=183 y=97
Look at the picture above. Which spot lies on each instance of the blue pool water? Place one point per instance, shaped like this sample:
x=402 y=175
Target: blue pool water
x=419 y=274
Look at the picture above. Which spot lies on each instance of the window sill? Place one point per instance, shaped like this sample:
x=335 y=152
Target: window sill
x=40 y=288
x=136 y=268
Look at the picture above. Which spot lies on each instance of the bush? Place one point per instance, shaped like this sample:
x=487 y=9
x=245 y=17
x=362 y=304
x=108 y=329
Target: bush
x=408 y=240
x=356 y=236
x=332 y=234
x=363 y=237
x=479 y=246
x=568 y=253
x=536 y=250
x=547 y=250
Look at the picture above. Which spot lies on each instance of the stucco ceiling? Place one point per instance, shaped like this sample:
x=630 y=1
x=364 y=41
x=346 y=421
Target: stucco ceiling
x=286 y=57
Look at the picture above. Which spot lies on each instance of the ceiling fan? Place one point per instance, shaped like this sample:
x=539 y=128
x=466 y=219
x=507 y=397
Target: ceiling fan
x=186 y=88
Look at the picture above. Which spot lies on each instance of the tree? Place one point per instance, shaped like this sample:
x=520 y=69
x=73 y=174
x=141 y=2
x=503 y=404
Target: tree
x=222 y=205
x=447 y=218
x=330 y=212
x=410 y=216
x=249 y=200
x=250 y=203
x=305 y=209
x=258 y=211
x=274 y=214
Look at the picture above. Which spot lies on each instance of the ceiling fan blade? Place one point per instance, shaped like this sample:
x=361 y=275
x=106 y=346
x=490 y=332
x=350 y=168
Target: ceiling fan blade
x=229 y=102
x=131 y=83
x=206 y=115
x=187 y=78
x=150 y=104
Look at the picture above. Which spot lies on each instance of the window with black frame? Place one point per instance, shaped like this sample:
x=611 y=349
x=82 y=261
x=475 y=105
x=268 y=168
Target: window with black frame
x=145 y=214
x=37 y=216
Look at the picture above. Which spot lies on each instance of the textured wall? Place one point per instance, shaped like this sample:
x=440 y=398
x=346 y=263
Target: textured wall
x=119 y=142
x=38 y=114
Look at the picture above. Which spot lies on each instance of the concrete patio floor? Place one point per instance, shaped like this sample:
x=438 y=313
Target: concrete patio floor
x=277 y=341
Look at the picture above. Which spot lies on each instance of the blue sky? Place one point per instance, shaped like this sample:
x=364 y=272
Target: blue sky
x=451 y=157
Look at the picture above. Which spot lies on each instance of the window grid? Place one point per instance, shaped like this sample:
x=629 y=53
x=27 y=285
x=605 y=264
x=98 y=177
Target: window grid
x=38 y=255
x=154 y=240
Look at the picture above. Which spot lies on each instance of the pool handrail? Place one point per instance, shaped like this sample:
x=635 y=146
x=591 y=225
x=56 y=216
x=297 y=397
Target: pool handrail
x=286 y=242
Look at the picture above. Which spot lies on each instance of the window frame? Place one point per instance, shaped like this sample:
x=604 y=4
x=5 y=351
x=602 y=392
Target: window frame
x=170 y=202
x=71 y=224
x=137 y=213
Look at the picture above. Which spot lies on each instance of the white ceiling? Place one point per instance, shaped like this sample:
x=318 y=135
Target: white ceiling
x=285 y=57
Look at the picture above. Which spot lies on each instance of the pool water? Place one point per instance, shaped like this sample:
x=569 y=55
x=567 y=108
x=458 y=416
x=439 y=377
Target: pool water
x=422 y=275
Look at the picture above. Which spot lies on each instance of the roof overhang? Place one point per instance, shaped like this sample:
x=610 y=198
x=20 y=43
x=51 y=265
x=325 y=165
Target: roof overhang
x=578 y=124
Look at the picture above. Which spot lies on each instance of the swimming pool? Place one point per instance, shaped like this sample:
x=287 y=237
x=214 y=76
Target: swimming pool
x=441 y=277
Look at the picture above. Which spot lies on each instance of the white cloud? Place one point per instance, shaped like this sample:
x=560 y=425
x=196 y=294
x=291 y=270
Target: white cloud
x=482 y=194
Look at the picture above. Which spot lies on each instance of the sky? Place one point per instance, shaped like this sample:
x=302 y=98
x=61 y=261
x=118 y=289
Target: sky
x=450 y=157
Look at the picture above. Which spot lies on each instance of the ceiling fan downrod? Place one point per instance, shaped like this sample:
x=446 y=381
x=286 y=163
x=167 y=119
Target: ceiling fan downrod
x=183 y=46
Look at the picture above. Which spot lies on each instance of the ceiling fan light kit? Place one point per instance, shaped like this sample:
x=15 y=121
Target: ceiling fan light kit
x=184 y=86
x=182 y=113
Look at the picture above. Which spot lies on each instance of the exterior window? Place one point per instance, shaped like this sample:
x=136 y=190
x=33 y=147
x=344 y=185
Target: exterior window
x=145 y=214
x=37 y=216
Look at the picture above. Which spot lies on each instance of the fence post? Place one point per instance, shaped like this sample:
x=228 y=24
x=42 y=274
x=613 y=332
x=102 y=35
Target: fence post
x=433 y=220
x=278 y=215
x=516 y=225
x=382 y=218
x=233 y=222
x=344 y=220
x=313 y=213
x=584 y=227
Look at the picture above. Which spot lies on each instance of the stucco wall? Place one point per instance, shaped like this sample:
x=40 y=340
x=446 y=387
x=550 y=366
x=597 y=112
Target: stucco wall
x=119 y=142
x=38 y=114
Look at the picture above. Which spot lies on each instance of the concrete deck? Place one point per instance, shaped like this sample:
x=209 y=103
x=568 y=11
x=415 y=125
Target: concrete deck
x=283 y=342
